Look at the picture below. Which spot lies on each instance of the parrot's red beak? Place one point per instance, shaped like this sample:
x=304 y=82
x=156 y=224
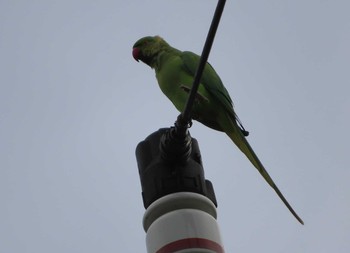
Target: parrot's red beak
x=136 y=53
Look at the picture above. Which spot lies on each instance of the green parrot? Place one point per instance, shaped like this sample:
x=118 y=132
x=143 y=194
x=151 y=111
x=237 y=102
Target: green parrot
x=213 y=106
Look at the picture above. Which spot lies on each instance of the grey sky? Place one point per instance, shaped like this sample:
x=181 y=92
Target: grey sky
x=74 y=105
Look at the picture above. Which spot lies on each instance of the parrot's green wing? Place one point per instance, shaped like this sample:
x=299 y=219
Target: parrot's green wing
x=210 y=78
x=213 y=84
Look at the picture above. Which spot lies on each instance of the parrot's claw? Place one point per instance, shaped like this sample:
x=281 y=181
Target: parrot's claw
x=180 y=120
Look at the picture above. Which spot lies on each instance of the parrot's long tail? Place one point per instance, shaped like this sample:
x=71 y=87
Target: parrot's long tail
x=238 y=138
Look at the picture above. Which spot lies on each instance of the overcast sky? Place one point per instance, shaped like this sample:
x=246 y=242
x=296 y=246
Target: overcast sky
x=74 y=104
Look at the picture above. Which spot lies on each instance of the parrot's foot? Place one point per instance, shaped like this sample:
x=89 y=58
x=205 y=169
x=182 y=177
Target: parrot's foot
x=182 y=122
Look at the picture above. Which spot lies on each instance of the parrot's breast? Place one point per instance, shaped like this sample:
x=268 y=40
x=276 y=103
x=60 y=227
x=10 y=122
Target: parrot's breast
x=170 y=78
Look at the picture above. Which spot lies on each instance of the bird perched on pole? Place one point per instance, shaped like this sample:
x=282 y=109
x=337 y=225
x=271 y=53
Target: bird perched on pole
x=213 y=106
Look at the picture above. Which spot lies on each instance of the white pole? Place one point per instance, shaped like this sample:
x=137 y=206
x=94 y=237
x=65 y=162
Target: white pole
x=182 y=222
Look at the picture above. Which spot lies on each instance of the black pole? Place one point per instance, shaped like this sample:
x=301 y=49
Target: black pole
x=186 y=115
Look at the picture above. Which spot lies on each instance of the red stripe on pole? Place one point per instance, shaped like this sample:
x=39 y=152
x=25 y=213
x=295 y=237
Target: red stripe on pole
x=190 y=243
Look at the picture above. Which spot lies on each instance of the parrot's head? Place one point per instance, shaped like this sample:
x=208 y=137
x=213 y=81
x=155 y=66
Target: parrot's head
x=146 y=49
